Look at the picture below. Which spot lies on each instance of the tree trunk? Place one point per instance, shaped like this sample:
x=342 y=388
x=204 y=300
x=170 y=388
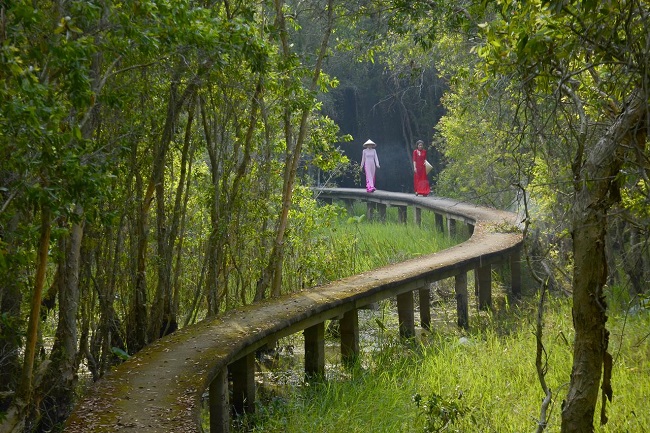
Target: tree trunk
x=15 y=417
x=596 y=191
x=222 y=205
x=164 y=240
x=138 y=314
x=163 y=319
x=59 y=384
x=634 y=262
x=272 y=274
x=185 y=182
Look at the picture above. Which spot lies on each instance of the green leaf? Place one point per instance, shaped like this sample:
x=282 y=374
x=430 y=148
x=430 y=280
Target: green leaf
x=120 y=353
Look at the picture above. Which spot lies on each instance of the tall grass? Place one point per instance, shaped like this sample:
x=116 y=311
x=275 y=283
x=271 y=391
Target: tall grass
x=489 y=374
x=358 y=245
x=486 y=376
x=342 y=242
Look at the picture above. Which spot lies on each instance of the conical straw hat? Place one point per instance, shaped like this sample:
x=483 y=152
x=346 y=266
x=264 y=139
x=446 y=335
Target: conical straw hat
x=369 y=142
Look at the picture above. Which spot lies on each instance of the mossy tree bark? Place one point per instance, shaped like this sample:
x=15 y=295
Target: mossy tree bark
x=596 y=190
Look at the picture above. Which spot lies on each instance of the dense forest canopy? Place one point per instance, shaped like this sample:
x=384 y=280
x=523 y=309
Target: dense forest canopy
x=156 y=158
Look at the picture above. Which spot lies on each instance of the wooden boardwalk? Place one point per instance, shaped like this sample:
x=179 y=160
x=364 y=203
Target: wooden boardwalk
x=162 y=388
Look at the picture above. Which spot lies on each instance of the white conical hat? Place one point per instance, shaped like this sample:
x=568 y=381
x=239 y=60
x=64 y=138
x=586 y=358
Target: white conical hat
x=369 y=142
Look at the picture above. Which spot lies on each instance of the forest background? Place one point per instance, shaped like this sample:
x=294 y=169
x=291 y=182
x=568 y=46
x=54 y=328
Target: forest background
x=157 y=158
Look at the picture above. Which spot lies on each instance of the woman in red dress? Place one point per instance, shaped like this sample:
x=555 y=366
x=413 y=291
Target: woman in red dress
x=420 y=178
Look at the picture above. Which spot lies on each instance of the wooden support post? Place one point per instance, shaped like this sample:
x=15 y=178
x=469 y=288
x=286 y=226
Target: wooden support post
x=242 y=372
x=405 y=315
x=219 y=405
x=470 y=228
x=315 y=352
x=484 y=278
x=349 y=328
x=371 y=207
x=515 y=273
x=462 y=309
x=424 y=294
x=439 y=223
x=382 y=211
x=349 y=205
x=451 y=227
x=401 y=214
x=418 y=216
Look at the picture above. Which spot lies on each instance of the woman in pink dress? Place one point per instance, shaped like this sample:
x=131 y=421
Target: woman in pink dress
x=420 y=178
x=369 y=163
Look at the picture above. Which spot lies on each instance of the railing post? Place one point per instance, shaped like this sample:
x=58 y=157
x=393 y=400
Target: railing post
x=405 y=315
x=219 y=405
x=424 y=295
x=418 y=216
x=349 y=329
x=349 y=205
x=483 y=275
x=515 y=273
x=315 y=352
x=439 y=222
x=242 y=372
x=462 y=309
x=371 y=207
x=382 y=211
x=451 y=226
x=401 y=214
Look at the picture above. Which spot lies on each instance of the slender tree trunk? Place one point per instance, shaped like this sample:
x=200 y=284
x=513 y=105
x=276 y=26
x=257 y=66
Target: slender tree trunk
x=212 y=247
x=107 y=249
x=57 y=390
x=88 y=299
x=596 y=191
x=16 y=416
x=178 y=269
x=633 y=260
x=163 y=319
x=272 y=275
x=138 y=314
x=221 y=205
x=164 y=240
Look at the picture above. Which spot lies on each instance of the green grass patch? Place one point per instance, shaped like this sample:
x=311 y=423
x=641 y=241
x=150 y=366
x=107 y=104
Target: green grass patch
x=487 y=376
x=480 y=380
x=359 y=244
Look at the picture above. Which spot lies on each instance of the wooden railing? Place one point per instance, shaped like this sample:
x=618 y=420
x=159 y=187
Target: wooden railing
x=161 y=388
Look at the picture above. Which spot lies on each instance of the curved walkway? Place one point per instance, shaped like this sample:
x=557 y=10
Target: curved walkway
x=161 y=388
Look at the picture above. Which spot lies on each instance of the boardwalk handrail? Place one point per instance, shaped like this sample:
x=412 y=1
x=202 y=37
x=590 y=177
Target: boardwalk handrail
x=161 y=388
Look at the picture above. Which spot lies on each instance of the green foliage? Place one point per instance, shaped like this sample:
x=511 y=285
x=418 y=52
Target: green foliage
x=326 y=156
x=356 y=219
x=96 y=97
x=441 y=414
x=483 y=380
x=325 y=243
x=120 y=353
x=480 y=166
x=11 y=331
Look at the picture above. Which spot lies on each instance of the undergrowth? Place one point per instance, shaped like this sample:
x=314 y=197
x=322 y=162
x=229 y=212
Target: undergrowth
x=480 y=381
